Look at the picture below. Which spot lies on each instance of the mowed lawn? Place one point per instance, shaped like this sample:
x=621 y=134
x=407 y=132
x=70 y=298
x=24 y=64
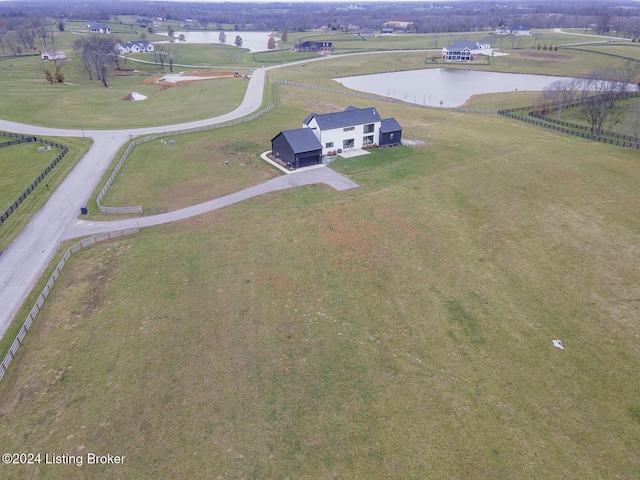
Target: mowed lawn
x=19 y=167
x=83 y=103
x=402 y=329
x=192 y=170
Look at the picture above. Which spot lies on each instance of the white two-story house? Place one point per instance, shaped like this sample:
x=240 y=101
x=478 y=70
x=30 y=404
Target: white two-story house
x=352 y=128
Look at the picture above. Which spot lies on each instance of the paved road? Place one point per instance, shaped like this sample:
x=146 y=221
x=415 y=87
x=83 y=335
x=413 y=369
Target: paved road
x=26 y=258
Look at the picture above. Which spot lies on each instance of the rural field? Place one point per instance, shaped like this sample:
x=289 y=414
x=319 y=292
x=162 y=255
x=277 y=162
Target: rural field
x=401 y=329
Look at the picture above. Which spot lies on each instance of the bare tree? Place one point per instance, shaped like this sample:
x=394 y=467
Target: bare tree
x=635 y=121
x=560 y=94
x=204 y=21
x=97 y=53
x=601 y=99
x=11 y=40
x=603 y=21
x=27 y=36
x=160 y=54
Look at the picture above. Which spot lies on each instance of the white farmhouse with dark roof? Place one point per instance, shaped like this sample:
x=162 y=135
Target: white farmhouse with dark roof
x=331 y=133
x=352 y=128
x=465 y=50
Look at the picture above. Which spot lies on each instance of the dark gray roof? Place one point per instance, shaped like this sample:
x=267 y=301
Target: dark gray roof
x=351 y=116
x=390 y=125
x=301 y=140
x=459 y=45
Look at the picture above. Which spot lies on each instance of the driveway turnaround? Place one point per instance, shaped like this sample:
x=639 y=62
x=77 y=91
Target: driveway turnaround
x=26 y=258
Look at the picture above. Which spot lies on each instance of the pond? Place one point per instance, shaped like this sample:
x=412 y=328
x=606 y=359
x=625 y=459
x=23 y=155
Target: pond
x=446 y=87
x=253 y=41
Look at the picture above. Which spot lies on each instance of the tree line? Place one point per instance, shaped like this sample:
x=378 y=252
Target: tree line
x=601 y=97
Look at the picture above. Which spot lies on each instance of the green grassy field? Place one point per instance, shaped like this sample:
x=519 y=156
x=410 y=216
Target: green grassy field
x=199 y=55
x=402 y=329
x=19 y=166
x=31 y=99
x=193 y=170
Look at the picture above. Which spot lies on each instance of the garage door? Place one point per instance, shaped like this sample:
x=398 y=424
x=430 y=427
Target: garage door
x=310 y=160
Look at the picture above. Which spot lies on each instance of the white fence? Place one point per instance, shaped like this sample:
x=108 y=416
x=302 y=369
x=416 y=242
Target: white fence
x=47 y=289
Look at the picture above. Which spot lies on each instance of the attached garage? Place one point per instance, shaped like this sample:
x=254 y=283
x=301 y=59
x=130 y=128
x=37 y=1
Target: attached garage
x=390 y=132
x=300 y=147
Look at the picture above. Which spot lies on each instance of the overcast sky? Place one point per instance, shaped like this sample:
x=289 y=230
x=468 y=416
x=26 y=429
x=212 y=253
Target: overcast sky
x=347 y=2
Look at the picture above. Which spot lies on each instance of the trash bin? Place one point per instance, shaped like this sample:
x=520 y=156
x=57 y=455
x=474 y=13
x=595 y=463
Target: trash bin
x=84 y=210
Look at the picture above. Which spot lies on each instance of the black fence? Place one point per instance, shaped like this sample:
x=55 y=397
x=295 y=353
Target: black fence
x=154 y=210
x=576 y=126
x=582 y=131
x=570 y=131
x=22 y=139
x=600 y=53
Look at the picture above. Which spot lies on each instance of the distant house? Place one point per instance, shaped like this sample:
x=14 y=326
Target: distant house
x=98 y=28
x=387 y=30
x=351 y=28
x=298 y=148
x=53 y=55
x=460 y=51
x=144 y=22
x=309 y=46
x=135 y=46
x=464 y=51
x=367 y=32
x=502 y=30
x=399 y=26
x=520 y=31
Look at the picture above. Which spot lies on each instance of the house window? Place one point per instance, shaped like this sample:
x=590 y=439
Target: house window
x=391 y=136
x=350 y=143
x=277 y=152
x=368 y=128
x=348 y=129
x=368 y=140
x=328 y=145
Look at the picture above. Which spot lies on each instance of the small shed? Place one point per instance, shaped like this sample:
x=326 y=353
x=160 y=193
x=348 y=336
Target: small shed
x=390 y=132
x=298 y=147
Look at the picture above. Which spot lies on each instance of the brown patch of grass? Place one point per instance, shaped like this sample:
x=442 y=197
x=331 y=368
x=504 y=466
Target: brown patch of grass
x=156 y=80
x=544 y=55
